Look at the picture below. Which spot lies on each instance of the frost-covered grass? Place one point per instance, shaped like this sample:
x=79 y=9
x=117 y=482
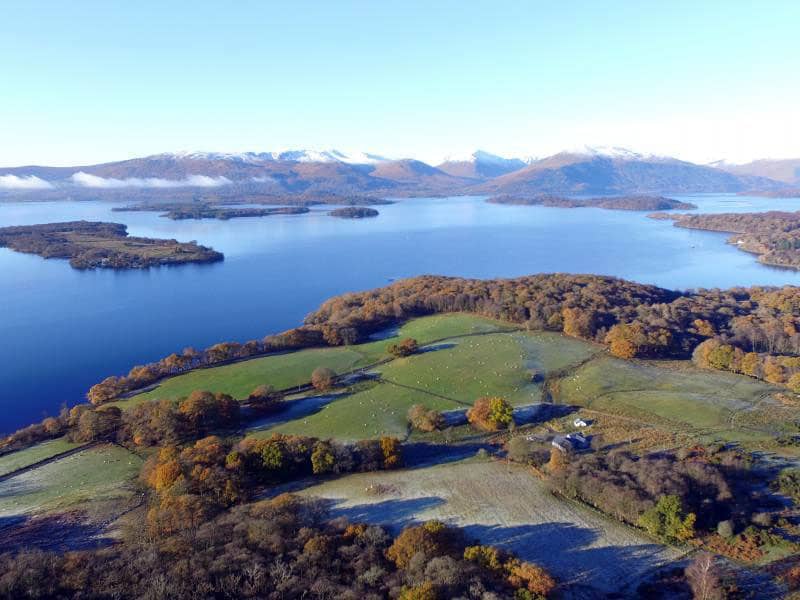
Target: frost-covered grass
x=23 y=458
x=98 y=473
x=672 y=394
x=506 y=506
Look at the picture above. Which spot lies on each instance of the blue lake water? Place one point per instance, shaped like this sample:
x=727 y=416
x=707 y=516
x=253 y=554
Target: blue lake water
x=61 y=330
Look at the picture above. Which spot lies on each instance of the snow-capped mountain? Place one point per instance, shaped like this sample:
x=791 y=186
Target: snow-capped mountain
x=780 y=169
x=480 y=165
x=351 y=158
x=615 y=170
x=590 y=169
x=299 y=155
x=614 y=153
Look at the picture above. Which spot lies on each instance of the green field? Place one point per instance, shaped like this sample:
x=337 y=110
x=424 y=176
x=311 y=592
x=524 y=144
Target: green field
x=99 y=473
x=700 y=401
x=489 y=365
x=467 y=357
x=283 y=371
x=449 y=376
x=28 y=456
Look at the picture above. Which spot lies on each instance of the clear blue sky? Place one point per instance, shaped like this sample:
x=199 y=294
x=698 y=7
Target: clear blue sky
x=90 y=81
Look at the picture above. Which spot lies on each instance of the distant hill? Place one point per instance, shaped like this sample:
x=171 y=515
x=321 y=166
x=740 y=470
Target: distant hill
x=786 y=170
x=480 y=165
x=595 y=171
x=415 y=174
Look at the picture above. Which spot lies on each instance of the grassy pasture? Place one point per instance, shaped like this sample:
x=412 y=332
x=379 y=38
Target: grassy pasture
x=292 y=369
x=98 y=473
x=379 y=410
x=239 y=379
x=28 y=456
x=505 y=506
x=677 y=395
x=449 y=376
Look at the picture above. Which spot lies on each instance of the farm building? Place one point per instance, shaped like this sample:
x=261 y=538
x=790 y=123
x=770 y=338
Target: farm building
x=572 y=442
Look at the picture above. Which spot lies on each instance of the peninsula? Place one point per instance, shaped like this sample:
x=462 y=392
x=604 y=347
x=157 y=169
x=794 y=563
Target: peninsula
x=774 y=236
x=610 y=203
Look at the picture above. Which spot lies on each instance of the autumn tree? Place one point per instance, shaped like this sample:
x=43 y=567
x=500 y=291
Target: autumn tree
x=322 y=458
x=152 y=424
x=578 y=322
x=751 y=364
x=422 y=419
x=530 y=577
x=624 y=340
x=323 y=379
x=424 y=591
x=206 y=411
x=431 y=539
x=95 y=425
x=704 y=328
x=162 y=470
x=558 y=460
x=392 y=453
x=405 y=347
x=491 y=413
x=521 y=575
x=668 y=521
x=714 y=355
x=488 y=557
x=794 y=382
x=263 y=399
x=774 y=371
x=183 y=514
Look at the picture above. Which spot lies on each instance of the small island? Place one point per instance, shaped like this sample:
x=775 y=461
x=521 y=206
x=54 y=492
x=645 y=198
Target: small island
x=354 y=212
x=774 y=236
x=99 y=245
x=183 y=211
x=635 y=203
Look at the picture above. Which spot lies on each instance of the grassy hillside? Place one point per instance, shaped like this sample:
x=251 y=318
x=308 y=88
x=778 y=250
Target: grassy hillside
x=674 y=395
x=28 y=456
x=99 y=473
x=292 y=369
x=465 y=357
x=447 y=376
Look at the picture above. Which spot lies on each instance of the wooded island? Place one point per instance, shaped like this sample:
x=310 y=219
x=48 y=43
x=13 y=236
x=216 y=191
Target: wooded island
x=611 y=203
x=93 y=245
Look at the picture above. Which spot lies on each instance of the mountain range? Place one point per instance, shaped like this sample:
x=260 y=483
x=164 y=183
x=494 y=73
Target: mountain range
x=786 y=170
x=583 y=171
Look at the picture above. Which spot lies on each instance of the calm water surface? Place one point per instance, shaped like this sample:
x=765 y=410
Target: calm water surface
x=63 y=330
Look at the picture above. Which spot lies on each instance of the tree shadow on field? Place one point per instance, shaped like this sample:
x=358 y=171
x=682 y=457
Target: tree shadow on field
x=570 y=552
x=392 y=514
x=291 y=410
x=424 y=454
x=564 y=550
x=436 y=348
x=52 y=532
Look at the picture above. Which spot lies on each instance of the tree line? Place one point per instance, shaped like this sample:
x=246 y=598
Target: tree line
x=286 y=548
x=634 y=320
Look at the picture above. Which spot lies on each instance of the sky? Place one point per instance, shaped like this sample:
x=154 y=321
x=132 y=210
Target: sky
x=93 y=81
